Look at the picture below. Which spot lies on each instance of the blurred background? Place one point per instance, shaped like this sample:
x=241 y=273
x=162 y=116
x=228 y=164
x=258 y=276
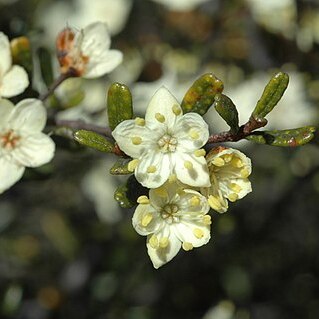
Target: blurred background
x=67 y=250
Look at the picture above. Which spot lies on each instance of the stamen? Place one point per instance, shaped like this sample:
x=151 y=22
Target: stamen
x=232 y=197
x=218 y=161
x=163 y=243
x=207 y=219
x=227 y=157
x=160 y=117
x=143 y=200
x=214 y=203
x=132 y=165
x=235 y=187
x=146 y=219
x=188 y=165
x=193 y=134
x=198 y=233
x=176 y=109
x=139 y=121
x=153 y=241
x=194 y=201
x=199 y=153
x=244 y=173
x=187 y=246
x=237 y=162
x=151 y=169
x=136 y=140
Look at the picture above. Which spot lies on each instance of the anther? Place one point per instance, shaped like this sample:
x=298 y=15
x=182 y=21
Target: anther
x=151 y=169
x=132 y=165
x=143 y=200
x=136 y=140
x=139 y=121
x=187 y=246
x=198 y=233
x=199 y=153
x=146 y=219
x=160 y=117
x=176 y=109
x=188 y=165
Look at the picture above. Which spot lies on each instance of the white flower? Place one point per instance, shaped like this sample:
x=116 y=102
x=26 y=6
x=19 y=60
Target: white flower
x=21 y=141
x=87 y=52
x=13 y=78
x=167 y=143
x=229 y=170
x=172 y=217
x=181 y=5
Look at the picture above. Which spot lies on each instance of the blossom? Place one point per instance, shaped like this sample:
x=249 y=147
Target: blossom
x=87 y=53
x=229 y=170
x=181 y=5
x=172 y=217
x=165 y=144
x=13 y=78
x=22 y=144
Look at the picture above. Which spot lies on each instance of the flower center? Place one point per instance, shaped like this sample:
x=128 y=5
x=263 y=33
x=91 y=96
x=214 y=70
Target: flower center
x=168 y=213
x=9 y=139
x=167 y=143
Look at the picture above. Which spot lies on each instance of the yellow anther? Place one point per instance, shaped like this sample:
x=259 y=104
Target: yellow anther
x=143 y=200
x=160 y=117
x=232 y=197
x=176 y=109
x=227 y=157
x=172 y=178
x=136 y=140
x=207 y=220
x=146 y=219
x=198 y=233
x=194 y=201
x=188 y=165
x=193 y=134
x=153 y=241
x=199 y=153
x=244 y=173
x=160 y=191
x=237 y=162
x=218 y=161
x=187 y=246
x=132 y=165
x=235 y=187
x=163 y=243
x=214 y=203
x=139 y=121
x=151 y=169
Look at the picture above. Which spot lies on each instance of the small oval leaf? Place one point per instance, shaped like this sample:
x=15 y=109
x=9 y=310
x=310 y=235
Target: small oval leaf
x=200 y=96
x=94 y=140
x=119 y=104
x=120 y=167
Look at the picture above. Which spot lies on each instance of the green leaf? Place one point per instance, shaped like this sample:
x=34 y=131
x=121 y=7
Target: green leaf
x=94 y=140
x=45 y=61
x=292 y=137
x=227 y=110
x=120 y=167
x=21 y=53
x=126 y=195
x=201 y=94
x=119 y=104
x=273 y=92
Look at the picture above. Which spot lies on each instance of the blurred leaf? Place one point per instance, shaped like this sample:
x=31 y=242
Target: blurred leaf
x=21 y=53
x=273 y=92
x=227 y=110
x=120 y=167
x=293 y=137
x=12 y=299
x=126 y=195
x=119 y=104
x=94 y=140
x=45 y=60
x=201 y=94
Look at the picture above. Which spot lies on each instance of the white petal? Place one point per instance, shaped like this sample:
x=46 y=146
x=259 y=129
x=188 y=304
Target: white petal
x=6 y=107
x=162 y=165
x=155 y=222
x=34 y=150
x=100 y=64
x=197 y=176
x=187 y=124
x=127 y=130
x=5 y=55
x=94 y=38
x=163 y=102
x=185 y=206
x=160 y=256
x=29 y=115
x=10 y=173
x=14 y=82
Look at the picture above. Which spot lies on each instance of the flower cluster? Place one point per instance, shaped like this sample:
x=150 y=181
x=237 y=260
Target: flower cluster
x=168 y=158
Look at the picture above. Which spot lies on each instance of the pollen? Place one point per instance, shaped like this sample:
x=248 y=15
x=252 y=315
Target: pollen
x=199 y=153
x=176 y=109
x=198 y=233
x=151 y=169
x=163 y=243
x=187 y=246
x=194 y=201
x=143 y=200
x=194 y=135
x=153 y=241
x=214 y=203
x=218 y=161
x=207 y=220
x=146 y=219
x=244 y=173
x=136 y=140
x=188 y=165
x=160 y=117
x=233 y=197
x=235 y=187
x=237 y=162
x=132 y=165
x=139 y=121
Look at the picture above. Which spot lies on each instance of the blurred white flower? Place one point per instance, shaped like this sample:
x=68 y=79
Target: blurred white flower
x=223 y=310
x=172 y=217
x=87 y=53
x=22 y=144
x=165 y=143
x=181 y=5
x=229 y=170
x=13 y=78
